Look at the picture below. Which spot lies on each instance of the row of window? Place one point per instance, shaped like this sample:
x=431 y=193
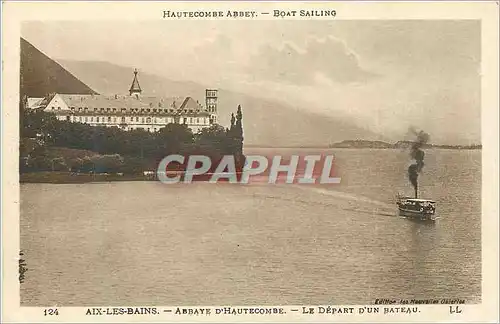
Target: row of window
x=149 y=129
x=98 y=120
x=152 y=129
x=136 y=110
x=147 y=120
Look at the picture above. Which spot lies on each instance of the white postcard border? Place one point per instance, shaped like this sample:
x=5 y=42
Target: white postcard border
x=16 y=12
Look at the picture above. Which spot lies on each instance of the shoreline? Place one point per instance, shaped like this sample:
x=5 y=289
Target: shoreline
x=57 y=177
x=62 y=177
x=363 y=148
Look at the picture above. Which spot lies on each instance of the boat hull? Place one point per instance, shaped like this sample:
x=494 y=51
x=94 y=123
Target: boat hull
x=417 y=214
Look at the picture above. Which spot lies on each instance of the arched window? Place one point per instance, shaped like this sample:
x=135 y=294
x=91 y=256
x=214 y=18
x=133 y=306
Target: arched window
x=109 y=119
x=123 y=119
x=148 y=120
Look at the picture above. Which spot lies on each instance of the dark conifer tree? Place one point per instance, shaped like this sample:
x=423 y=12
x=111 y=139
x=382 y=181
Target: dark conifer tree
x=239 y=130
x=232 y=122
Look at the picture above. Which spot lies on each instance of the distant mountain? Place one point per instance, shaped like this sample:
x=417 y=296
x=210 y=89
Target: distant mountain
x=41 y=75
x=357 y=144
x=266 y=122
x=362 y=144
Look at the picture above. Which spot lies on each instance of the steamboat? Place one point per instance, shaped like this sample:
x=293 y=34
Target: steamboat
x=423 y=209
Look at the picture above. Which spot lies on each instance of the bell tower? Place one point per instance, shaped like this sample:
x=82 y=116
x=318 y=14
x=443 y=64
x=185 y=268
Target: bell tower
x=135 y=88
x=211 y=104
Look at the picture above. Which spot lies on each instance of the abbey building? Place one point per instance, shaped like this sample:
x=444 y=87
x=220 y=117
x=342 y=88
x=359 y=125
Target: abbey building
x=133 y=111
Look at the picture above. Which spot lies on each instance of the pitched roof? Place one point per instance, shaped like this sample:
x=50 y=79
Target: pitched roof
x=133 y=104
x=34 y=103
x=189 y=103
x=135 y=87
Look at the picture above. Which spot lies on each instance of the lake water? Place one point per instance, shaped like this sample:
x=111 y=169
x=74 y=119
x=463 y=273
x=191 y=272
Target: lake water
x=146 y=243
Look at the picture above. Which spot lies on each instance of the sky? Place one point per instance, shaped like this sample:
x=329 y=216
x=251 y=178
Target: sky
x=383 y=75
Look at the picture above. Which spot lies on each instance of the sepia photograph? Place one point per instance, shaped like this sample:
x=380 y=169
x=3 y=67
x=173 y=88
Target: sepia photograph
x=103 y=103
x=192 y=160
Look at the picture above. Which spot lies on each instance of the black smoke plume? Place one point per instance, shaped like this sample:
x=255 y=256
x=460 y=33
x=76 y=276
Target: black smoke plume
x=418 y=155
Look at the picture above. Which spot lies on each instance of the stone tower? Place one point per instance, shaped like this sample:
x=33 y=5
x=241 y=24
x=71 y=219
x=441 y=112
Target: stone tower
x=211 y=104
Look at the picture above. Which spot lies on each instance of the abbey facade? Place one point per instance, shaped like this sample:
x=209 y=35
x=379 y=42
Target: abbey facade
x=133 y=111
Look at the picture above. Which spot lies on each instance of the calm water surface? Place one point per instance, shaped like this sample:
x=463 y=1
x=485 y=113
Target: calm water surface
x=145 y=243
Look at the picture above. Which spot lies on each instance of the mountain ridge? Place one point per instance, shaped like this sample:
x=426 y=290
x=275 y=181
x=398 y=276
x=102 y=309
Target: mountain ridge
x=265 y=121
x=41 y=75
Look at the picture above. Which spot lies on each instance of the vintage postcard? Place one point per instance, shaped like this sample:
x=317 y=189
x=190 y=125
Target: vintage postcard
x=250 y=161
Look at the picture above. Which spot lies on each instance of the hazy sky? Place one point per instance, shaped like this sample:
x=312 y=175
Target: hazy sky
x=387 y=75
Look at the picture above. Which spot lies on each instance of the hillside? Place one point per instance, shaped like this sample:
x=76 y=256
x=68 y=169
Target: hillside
x=358 y=144
x=266 y=123
x=41 y=75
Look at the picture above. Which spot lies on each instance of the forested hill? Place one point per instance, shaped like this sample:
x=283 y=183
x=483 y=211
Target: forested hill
x=40 y=75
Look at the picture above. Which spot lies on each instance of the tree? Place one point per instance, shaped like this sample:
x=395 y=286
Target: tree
x=133 y=165
x=173 y=139
x=59 y=164
x=236 y=138
x=87 y=164
x=213 y=137
x=107 y=163
x=75 y=164
x=239 y=130
x=38 y=124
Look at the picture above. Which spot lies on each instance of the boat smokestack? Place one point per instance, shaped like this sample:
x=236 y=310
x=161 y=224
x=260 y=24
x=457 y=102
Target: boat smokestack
x=417 y=155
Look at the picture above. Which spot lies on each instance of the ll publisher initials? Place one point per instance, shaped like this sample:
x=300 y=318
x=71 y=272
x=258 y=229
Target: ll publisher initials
x=455 y=310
